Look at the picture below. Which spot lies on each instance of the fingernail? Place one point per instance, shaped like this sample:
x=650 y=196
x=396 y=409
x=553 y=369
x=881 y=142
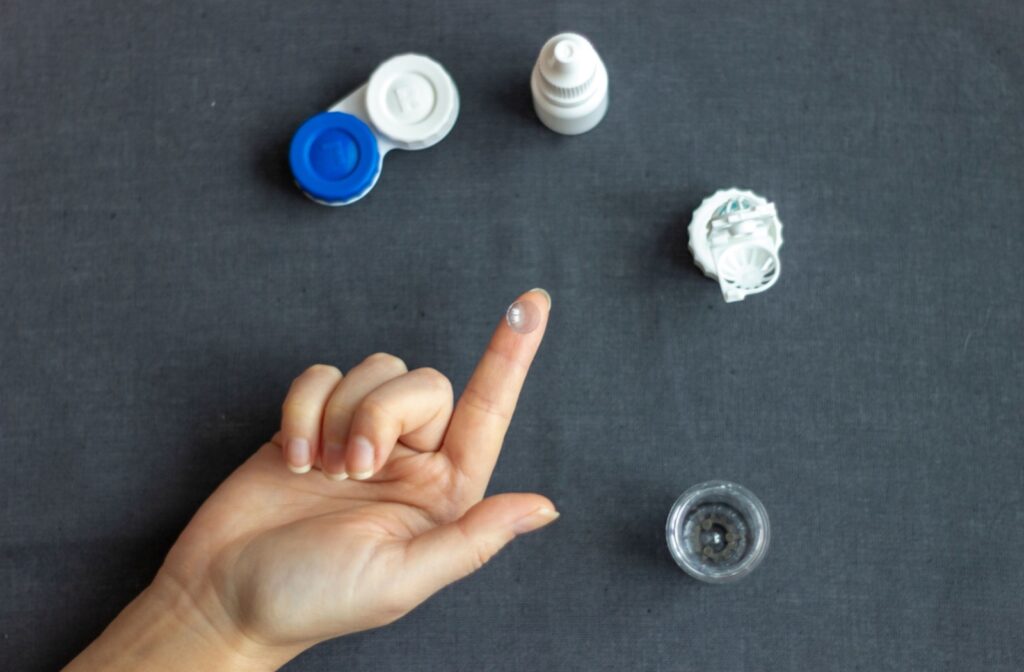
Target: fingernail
x=296 y=454
x=360 y=458
x=333 y=462
x=543 y=291
x=536 y=520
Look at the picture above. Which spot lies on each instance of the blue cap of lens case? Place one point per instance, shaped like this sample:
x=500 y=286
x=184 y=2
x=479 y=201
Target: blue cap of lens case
x=334 y=158
x=410 y=102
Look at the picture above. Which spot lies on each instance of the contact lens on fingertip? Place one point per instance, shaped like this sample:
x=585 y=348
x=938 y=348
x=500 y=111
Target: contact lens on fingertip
x=523 y=317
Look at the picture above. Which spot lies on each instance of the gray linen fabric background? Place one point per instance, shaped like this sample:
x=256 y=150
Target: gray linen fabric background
x=163 y=281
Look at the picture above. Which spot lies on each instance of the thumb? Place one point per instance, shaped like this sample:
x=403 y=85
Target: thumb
x=450 y=552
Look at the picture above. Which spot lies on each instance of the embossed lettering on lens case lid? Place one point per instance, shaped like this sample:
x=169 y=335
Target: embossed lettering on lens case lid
x=412 y=101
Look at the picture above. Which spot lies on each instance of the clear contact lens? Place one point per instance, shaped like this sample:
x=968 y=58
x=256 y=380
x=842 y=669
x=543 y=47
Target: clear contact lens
x=523 y=317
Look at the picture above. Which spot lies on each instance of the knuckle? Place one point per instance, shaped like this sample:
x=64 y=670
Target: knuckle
x=435 y=378
x=485 y=404
x=297 y=411
x=373 y=411
x=323 y=370
x=482 y=555
x=387 y=360
x=480 y=551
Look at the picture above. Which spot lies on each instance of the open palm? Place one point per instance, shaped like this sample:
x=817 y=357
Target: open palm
x=290 y=558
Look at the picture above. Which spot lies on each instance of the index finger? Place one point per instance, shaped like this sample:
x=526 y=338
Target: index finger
x=485 y=408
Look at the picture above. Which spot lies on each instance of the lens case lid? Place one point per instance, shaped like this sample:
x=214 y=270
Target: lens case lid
x=334 y=158
x=412 y=101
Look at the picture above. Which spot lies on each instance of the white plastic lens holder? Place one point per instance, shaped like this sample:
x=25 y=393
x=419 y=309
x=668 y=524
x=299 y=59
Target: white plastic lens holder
x=735 y=237
x=410 y=102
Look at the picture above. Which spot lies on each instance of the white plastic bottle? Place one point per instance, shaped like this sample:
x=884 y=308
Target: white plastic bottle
x=569 y=85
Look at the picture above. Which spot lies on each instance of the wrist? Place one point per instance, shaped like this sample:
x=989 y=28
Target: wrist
x=166 y=628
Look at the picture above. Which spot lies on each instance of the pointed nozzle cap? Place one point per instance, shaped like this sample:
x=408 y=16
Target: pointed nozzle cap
x=568 y=63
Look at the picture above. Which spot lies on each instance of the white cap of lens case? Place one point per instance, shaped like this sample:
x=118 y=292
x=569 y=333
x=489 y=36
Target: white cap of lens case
x=410 y=102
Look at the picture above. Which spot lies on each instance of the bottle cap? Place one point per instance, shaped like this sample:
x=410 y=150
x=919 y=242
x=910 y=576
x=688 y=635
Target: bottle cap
x=334 y=158
x=412 y=101
x=569 y=85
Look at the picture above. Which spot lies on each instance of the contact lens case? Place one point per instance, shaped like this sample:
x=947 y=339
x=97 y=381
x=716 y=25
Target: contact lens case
x=718 y=531
x=735 y=237
x=410 y=102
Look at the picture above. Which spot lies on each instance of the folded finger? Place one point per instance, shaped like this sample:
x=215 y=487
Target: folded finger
x=414 y=408
x=361 y=380
x=302 y=415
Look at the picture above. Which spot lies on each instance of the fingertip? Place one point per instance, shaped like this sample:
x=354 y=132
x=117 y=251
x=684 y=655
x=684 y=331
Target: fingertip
x=298 y=455
x=360 y=458
x=528 y=312
x=535 y=520
x=513 y=511
x=543 y=292
x=302 y=415
x=332 y=460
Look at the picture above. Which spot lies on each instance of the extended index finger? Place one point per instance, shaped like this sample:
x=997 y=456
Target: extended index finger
x=485 y=409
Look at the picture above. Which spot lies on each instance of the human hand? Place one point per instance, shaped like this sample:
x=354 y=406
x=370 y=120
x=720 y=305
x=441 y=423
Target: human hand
x=277 y=560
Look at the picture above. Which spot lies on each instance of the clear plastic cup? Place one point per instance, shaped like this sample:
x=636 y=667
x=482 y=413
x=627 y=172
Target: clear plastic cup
x=718 y=531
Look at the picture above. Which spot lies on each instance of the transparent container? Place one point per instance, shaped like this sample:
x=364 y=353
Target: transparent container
x=718 y=531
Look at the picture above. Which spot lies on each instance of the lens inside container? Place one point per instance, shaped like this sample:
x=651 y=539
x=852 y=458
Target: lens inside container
x=717 y=531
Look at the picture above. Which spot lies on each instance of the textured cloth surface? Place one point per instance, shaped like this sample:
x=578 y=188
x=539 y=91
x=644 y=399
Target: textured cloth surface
x=163 y=281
